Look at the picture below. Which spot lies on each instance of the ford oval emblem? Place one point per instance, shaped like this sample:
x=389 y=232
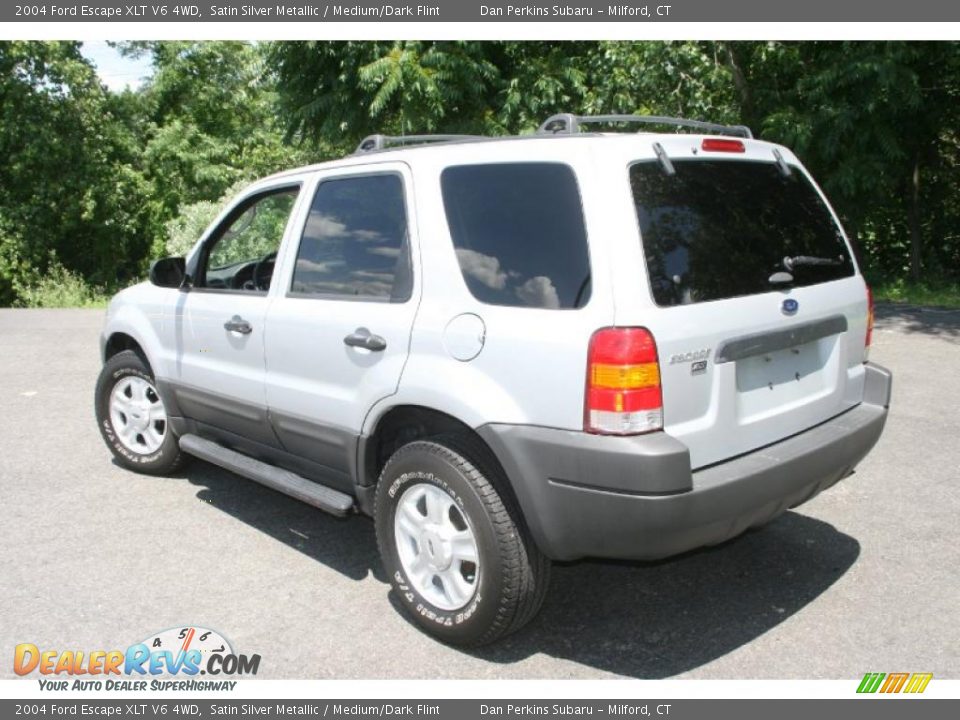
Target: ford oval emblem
x=790 y=306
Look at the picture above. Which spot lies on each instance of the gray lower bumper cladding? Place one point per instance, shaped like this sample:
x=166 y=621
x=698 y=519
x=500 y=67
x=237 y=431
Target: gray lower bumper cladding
x=580 y=496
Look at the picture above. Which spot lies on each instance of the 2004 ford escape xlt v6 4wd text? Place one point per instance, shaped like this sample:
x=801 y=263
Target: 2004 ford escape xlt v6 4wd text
x=509 y=351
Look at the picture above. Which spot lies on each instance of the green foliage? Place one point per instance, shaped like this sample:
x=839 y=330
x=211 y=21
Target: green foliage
x=185 y=229
x=210 y=121
x=939 y=293
x=97 y=183
x=12 y=264
x=60 y=288
x=69 y=182
x=183 y=163
x=679 y=79
x=255 y=233
x=875 y=121
x=94 y=177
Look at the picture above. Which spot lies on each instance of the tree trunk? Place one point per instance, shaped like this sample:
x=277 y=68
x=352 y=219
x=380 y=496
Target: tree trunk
x=913 y=214
x=744 y=94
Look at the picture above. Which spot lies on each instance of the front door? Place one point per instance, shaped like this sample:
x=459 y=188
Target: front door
x=218 y=373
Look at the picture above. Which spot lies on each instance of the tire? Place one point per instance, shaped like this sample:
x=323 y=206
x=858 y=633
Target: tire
x=458 y=602
x=132 y=419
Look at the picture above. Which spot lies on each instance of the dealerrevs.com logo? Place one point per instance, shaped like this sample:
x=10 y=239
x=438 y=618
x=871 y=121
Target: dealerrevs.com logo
x=173 y=659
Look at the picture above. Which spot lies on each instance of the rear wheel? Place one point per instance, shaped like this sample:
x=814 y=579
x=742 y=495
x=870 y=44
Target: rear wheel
x=132 y=418
x=456 y=551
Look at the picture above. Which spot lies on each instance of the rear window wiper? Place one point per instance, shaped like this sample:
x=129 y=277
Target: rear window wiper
x=789 y=263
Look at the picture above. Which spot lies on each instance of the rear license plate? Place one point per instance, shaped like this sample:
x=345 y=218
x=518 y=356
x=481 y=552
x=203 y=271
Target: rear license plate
x=778 y=368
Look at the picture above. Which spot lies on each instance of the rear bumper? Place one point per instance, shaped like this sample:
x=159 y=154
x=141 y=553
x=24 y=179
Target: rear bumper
x=593 y=496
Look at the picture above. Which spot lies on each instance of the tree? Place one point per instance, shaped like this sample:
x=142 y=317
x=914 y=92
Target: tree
x=334 y=94
x=871 y=120
x=69 y=189
x=94 y=179
x=874 y=121
x=210 y=120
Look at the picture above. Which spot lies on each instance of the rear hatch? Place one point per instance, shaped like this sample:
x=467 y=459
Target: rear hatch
x=761 y=319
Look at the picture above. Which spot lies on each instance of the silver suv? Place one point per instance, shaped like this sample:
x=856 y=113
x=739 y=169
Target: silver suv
x=509 y=351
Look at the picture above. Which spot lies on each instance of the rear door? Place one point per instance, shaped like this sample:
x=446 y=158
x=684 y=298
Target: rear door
x=759 y=309
x=339 y=333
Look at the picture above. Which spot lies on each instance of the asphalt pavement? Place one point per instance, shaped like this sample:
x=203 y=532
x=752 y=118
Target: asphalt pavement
x=866 y=577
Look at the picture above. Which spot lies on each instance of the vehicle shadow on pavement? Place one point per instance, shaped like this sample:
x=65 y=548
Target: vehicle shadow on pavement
x=644 y=620
x=656 y=620
x=943 y=323
x=346 y=545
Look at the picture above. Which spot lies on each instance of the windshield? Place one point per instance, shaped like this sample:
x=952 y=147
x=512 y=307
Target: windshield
x=719 y=229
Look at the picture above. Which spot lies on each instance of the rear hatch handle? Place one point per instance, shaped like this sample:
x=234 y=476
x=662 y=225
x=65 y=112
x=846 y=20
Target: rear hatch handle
x=761 y=343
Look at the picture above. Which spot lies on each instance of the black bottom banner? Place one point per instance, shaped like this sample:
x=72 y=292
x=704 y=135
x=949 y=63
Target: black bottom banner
x=872 y=708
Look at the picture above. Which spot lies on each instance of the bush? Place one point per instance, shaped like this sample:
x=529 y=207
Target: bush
x=939 y=292
x=14 y=267
x=60 y=288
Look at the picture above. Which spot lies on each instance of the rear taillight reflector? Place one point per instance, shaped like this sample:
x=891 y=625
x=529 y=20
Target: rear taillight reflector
x=869 y=317
x=722 y=145
x=642 y=375
x=623 y=383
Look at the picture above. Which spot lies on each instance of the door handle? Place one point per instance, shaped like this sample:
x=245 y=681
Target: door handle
x=238 y=325
x=363 y=338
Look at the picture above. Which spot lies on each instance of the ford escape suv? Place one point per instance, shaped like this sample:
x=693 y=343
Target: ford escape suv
x=508 y=351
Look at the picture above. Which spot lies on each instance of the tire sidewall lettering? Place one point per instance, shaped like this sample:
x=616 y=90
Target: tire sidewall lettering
x=404 y=588
x=106 y=424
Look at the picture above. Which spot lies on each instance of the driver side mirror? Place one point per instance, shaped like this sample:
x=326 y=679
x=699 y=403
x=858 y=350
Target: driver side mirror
x=168 y=272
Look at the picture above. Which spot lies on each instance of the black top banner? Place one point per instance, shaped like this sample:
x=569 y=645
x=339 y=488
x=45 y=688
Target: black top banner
x=486 y=11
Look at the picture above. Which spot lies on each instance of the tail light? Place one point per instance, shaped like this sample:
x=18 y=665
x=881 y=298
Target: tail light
x=623 y=383
x=869 y=317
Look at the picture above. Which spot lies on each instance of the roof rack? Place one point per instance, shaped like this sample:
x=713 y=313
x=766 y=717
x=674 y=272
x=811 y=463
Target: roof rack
x=562 y=124
x=569 y=124
x=372 y=143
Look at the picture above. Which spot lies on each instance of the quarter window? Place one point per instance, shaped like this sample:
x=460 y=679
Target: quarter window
x=354 y=244
x=518 y=233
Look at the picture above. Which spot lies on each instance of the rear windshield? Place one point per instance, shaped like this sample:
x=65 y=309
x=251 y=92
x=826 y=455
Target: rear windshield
x=719 y=229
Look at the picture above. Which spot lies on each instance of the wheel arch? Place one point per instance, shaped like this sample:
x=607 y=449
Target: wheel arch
x=134 y=323
x=119 y=341
x=403 y=424
x=397 y=426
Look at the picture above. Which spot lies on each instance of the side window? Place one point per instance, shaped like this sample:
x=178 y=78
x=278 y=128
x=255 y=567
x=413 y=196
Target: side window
x=244 y=248
x=355 y=244
x=518 y=233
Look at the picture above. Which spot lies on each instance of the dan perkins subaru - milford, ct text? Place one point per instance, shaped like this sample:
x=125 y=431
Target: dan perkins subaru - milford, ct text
x=527 y=11
x=375 y=709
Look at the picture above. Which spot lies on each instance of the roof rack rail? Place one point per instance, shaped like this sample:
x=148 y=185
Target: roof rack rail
x=372 y=143
x=569 y=124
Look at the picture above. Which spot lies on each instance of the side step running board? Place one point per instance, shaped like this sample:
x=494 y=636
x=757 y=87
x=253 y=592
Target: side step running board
x=320 y=496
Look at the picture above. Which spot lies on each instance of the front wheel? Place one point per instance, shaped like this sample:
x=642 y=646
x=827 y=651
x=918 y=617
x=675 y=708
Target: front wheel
x=132 y=418
x=456 y=551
